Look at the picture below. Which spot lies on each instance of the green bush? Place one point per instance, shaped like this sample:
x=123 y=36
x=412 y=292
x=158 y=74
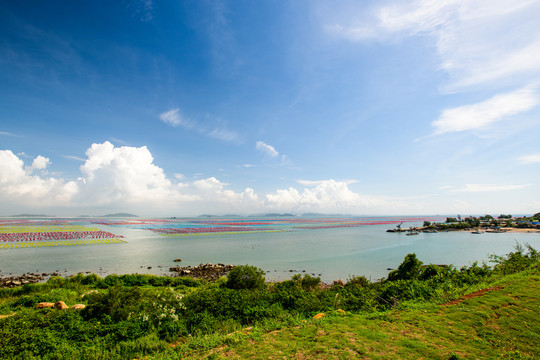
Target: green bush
x=357 y=281
x=429 y=271
x=409 y=269
x=307 y=282
x=245 y=277
x=517 y=260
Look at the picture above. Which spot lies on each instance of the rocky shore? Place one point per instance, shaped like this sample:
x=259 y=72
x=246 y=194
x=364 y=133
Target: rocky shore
x=29 y=278
x=210 y=272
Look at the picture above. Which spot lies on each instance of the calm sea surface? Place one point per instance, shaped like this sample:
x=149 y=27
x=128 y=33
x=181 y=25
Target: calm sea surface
x=332 y=253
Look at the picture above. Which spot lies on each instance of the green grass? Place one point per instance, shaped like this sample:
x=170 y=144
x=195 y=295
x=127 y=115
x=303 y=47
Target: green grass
x=499 y=324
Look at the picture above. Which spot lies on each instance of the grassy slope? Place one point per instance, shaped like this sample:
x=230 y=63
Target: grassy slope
x=501 y=323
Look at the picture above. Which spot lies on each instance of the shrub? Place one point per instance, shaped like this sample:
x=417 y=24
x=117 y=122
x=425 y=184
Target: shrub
x=357 y=281
x=307 y=282
x=518 y=260
x=117 y=303
x=407 y=270
x=429 y=271
x=245 y=277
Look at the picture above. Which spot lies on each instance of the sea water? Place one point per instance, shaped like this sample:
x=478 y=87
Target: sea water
x=335 y=253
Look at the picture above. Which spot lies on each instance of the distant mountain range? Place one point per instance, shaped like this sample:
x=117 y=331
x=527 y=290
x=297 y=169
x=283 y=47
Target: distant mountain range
x=32 y=215
x=120 y=215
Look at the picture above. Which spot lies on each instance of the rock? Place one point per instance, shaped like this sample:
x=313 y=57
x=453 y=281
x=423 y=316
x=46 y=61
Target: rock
x=60 y=305
x=208 y=271
x=78 y=307
x=89 y=293
x=177 y=260
x=319 y=316
x=45 y=305
x=342 y=312
x=149 y=267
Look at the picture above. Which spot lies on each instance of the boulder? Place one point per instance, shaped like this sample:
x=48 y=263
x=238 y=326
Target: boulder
x=78 y=306
x=60 y=305
x=319 y=316
x=89 y=293
x=44 y=305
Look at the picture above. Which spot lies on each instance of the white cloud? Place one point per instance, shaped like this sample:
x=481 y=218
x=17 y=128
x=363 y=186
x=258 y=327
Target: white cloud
x=225 y=135
x=485 y=188
x=173 y=118
x=530 y=159
x=71 y=157
x=5 y=133
x=327 y=195
x=41 y=162
x=478 y=42
x=19 y=187
x=319 y=182
x=267 y=149
x=117 y=177
x=485 y=113
x=123 y=174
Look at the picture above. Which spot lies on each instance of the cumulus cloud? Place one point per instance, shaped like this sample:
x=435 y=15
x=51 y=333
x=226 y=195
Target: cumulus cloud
x=116 y=177
x=17 y=185
x=125 y=174
x=267 y=149
x=529 y=159
x=487 y=112
x=41 y=162
x=127 y=178
x=327 y=195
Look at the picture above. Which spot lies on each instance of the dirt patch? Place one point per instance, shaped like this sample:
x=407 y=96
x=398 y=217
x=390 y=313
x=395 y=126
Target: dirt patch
x=473 y=295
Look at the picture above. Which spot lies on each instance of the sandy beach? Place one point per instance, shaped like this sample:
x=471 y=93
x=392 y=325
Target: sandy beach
x=521 y=230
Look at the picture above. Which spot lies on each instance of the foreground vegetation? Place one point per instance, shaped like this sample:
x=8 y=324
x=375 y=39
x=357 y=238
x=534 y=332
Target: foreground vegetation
x=144 y=316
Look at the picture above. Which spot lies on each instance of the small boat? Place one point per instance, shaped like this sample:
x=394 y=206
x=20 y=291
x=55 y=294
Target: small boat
x=412 y=233
x=477 y=232
x=431 y=231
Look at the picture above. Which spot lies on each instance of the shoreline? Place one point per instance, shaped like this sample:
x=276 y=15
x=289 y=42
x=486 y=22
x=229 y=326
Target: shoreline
x=429 y=230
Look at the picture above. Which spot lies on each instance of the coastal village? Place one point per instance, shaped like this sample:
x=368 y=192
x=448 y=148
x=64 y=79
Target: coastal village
x=476 y=225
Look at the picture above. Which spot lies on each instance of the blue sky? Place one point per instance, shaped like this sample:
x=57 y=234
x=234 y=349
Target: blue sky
x=177 y=108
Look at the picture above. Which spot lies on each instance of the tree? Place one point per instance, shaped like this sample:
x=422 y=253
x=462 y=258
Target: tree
x=245 y=277
x=427 y=223
x=407 y=270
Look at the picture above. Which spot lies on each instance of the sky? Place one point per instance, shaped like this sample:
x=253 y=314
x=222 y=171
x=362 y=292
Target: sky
x=182 y=108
